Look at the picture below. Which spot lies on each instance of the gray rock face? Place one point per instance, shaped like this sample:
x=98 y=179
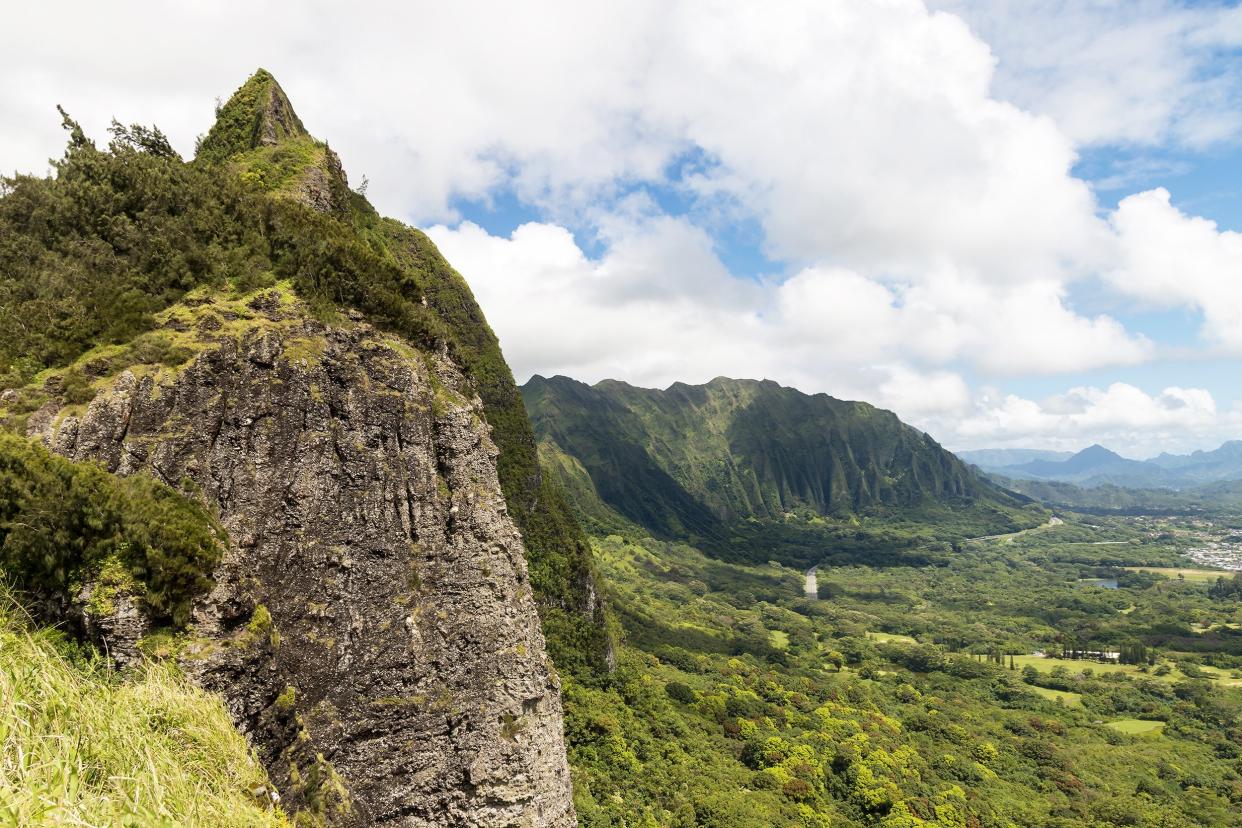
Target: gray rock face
x=372 y=629
x=323 y=187
x=119 y=627
x=277 y=118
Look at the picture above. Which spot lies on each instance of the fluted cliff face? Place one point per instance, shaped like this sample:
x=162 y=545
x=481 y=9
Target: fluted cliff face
x=372 y=627
x=693 y=455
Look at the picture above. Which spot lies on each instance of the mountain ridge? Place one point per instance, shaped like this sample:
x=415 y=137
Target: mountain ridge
x=999 y=458
x=700 y=461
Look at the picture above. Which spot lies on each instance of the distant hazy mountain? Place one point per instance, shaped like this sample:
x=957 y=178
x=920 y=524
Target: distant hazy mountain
x=1091 y=463
x=989 y=459
x=1097 y=466
x=1224 y=463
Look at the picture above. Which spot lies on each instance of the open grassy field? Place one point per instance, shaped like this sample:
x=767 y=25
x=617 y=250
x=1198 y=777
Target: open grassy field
x=1198 y=575
x=886 y=637
x=1224 y=677
x=1204 y=628
x=1136 y=727
x=1070 y=699
x=1045 y=665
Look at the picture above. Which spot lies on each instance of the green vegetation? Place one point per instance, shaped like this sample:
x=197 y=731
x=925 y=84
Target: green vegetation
x=88 y=256
x=64 y=523
x=1136 y=727
x=1072 y=699
x=281 y=167
x=81 y=745
x=946 y=720
x=1111 y=499
x=257 y=114
x=1200 y=575
x=1225 y=588
x=889 y=637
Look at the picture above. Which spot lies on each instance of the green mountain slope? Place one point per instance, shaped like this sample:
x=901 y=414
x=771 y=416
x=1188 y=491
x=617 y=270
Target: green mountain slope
x=709 y=462
x=1221 y=498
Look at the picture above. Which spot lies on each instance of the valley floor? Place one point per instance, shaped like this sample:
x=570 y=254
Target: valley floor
x=911 y=695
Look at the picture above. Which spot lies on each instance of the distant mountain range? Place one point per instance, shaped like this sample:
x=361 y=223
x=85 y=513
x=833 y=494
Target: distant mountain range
x=1097 y=466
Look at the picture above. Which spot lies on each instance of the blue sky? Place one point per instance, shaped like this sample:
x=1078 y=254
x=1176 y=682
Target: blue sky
x=1012 y=222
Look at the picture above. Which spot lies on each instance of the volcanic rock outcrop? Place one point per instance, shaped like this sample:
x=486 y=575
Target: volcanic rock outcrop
x=372 y=627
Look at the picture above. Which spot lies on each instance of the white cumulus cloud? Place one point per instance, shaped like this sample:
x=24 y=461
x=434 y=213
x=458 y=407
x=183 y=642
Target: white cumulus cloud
x=659 y=306
x=1140 y=72
x=1121 y=416
x=1168 y=258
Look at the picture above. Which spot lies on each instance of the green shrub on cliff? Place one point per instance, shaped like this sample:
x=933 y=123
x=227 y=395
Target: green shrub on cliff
x=61 y=521
x=87 y=257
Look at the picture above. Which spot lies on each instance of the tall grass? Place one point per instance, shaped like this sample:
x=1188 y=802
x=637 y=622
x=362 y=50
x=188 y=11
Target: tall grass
x=81 y=745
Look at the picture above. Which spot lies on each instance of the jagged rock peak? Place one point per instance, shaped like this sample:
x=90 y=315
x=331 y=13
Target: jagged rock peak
x=258 y=114
x=259 y=133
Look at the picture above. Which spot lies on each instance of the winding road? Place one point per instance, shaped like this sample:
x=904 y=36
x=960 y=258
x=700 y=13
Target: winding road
x=1052 y=521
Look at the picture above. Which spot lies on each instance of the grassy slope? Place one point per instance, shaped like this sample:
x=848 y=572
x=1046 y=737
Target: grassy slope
x=80 y=745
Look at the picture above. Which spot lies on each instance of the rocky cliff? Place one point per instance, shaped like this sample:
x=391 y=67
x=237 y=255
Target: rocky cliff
x=372 y=627
x=259 y=138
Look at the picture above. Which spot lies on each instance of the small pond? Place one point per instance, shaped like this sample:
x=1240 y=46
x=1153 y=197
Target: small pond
x=1104 y=583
